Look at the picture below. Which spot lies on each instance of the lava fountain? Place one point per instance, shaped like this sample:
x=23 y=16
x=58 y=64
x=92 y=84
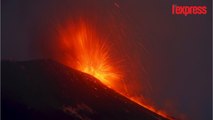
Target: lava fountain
x=85 y=51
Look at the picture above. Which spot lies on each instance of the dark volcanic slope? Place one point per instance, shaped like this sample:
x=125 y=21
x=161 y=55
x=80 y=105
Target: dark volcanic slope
x=47 y=90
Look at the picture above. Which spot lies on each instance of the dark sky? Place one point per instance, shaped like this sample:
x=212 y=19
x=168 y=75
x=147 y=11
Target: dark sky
x=173 y=53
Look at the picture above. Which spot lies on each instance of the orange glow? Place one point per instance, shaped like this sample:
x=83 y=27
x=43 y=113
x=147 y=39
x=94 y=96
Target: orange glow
x=149 y=107
x=85 y=51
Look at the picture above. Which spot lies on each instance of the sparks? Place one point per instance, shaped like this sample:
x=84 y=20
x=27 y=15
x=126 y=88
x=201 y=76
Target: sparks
x=85 y=51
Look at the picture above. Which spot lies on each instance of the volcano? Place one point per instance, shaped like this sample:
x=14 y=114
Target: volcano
x=48 y=90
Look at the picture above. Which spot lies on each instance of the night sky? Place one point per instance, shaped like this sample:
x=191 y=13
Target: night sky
x=171 y=54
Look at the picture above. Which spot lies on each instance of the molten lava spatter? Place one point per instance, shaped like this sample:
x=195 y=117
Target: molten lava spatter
x=85 y=51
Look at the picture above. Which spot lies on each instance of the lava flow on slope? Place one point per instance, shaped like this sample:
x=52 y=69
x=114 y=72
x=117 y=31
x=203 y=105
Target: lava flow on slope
x=83 y=49
x=48 y=90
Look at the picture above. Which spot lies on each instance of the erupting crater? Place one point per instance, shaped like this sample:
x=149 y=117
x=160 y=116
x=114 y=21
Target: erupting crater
x=83 y=49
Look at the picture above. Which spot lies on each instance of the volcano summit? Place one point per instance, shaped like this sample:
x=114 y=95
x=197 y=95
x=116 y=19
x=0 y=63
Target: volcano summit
x=48 y=90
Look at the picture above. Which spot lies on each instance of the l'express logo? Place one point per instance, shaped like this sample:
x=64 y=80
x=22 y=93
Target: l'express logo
x=188 y=10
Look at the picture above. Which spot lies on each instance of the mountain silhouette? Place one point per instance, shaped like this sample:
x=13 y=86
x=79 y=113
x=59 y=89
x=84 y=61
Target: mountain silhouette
x=48 y=90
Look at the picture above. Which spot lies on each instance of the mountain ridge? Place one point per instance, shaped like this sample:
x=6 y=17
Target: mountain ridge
x=46 y=89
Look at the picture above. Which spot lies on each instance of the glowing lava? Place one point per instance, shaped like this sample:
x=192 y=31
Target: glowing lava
x=85 y=51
